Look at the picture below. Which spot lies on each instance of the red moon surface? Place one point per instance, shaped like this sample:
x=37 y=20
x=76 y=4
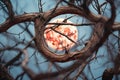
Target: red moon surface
x=57 y=39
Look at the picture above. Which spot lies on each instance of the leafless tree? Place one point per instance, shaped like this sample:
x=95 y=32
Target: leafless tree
x=105 y=33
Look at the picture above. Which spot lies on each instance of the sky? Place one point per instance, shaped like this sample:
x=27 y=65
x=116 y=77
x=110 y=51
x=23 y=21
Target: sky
x=28 y=6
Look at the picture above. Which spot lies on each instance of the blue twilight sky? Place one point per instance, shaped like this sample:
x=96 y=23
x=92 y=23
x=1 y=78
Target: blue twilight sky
x=28 y=6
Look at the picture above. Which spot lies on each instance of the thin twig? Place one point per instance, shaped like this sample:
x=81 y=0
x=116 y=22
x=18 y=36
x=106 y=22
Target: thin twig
x=83 y=24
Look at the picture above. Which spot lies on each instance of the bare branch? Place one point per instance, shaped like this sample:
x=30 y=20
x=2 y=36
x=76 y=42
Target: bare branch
x=29 y=72
x=62 y=10
x=17 y=19
x=72 y=24
x=9 y=7
x=18 y=56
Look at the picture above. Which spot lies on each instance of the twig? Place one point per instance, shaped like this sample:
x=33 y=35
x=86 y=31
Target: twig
x=84 y=24
x=9 y=7
x=64 y=35
x=30 y=73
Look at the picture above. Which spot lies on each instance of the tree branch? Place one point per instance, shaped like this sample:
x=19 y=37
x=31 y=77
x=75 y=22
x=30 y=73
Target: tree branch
x=9 y=7
x=17 y=19
x=61 y=10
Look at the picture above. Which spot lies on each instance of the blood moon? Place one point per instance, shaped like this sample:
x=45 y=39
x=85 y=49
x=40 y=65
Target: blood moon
x=55 y=35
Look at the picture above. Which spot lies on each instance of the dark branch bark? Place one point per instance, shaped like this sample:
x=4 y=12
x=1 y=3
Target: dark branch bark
x=39 y=29
x=9 y=8
x=4 y=75
x=62 y=10
x=107 y=75
x=103 y=27
x=17 y=19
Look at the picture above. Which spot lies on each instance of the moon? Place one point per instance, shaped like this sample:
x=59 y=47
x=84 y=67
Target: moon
x=55 y=35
